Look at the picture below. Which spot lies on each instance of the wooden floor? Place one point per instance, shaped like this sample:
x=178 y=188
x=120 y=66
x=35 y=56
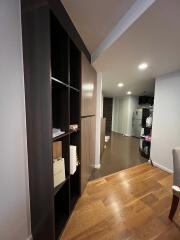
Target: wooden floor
x=129 y=205
x=121 y=153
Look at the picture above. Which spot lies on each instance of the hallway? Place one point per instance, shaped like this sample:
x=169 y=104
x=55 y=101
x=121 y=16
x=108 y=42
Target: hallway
x=129 y=205
x=121 y=153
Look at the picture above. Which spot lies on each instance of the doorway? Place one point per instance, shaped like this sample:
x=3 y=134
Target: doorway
x=107 y=114
x=129 y=131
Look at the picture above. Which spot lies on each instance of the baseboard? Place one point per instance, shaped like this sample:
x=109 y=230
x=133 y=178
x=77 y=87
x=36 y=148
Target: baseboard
x=162 y=167
x=98 y=166
x=30 y=237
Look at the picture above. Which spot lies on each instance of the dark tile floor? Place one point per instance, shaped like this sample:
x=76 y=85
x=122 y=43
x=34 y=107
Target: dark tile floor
x=121 y=153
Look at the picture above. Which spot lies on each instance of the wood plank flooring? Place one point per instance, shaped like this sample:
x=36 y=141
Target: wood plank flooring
x=129 y=205
x=121 y=153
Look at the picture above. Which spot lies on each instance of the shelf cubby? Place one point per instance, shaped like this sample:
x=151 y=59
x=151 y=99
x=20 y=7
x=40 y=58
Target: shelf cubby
x=74 y=188
x=57 y=189
x=65 y=153
x=62 y=211
x=74 y=107
x=59 y=50
x=60 y=106
x=75 y=178
x=75 y=66
x=75 y=140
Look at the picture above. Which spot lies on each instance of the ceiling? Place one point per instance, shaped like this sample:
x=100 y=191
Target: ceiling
x=94 y=19
x=153 y=38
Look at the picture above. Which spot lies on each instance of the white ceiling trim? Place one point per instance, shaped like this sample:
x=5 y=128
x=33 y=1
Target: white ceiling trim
x=134 y=12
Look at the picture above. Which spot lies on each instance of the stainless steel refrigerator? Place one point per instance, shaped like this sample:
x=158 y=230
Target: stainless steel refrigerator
x=137 y=122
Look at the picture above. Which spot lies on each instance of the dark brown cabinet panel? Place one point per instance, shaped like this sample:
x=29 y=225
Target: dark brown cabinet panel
x=89 y=78
x=88 y=119
x=38 y=115
x=88 y=125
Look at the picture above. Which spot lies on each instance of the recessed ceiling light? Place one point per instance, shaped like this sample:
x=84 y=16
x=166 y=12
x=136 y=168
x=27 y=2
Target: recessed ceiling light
x=120 y=84
x=129 y=93
x=143 y=66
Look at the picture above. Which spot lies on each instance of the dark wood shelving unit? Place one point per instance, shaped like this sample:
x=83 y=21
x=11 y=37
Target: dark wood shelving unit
x=65 y=111
x=52 y=65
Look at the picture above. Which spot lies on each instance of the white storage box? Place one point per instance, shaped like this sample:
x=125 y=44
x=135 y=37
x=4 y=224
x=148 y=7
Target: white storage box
x=73 y=159
x=59 y=171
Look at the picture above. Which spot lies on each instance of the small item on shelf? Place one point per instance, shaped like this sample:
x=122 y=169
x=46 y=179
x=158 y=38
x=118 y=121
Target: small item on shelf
x=57 y=132
x=59 y=171
x=148 y=138
x=57 y=149
x=149 y=121
x=73 y=159
x=73 y=127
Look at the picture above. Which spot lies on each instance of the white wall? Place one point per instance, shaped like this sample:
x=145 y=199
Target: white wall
x=115 y=114
x=14 y=197
x=123 y=108
x=99 y=103
x=102 y=101
x=166 y=120
x=125 y=115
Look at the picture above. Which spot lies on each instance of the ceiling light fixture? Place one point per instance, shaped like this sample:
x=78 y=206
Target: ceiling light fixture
x=120 y=84
x=143 y=66
x=129 y=93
